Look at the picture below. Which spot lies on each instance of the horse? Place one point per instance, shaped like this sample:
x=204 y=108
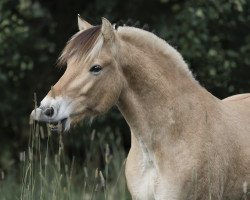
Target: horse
x=185 y=142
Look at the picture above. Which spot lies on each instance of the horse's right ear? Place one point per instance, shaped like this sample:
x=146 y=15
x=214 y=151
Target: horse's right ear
x=107 y=30
x=82 y=24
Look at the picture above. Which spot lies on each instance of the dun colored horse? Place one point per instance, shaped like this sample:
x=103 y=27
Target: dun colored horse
x=186 y=143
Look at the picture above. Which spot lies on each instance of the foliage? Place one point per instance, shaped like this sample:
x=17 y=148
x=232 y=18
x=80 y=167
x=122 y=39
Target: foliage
x=213 y=37
x=21 y=46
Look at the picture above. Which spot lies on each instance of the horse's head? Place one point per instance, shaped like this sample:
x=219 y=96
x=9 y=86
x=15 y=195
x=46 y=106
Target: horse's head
x=92 y=82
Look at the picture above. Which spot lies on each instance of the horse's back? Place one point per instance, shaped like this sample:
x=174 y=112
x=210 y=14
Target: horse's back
x=238 y=109
x=240 y=104
x=238 y=97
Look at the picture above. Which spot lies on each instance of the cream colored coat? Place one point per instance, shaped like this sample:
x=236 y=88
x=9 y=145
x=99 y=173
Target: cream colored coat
x=186 y=143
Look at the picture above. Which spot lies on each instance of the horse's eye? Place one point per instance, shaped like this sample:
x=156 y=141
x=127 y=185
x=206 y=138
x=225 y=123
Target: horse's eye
x=95 y=69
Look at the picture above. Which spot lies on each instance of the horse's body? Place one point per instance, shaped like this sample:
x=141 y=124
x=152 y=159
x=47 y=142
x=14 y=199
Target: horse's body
x=209 y=161
x=186 y=143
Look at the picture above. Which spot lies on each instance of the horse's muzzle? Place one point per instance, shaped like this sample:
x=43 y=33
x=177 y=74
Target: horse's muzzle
x=47 y=115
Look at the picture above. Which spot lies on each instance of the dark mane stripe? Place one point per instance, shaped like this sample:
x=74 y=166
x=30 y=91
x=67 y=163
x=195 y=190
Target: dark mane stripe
x=80 y=44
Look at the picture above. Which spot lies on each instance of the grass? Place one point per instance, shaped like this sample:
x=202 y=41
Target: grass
x=46 y=172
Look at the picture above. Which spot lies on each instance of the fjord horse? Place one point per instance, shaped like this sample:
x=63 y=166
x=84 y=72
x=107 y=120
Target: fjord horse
x=186 y=143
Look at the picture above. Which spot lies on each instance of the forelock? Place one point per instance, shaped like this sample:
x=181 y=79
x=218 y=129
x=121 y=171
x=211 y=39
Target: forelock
x=81 y=45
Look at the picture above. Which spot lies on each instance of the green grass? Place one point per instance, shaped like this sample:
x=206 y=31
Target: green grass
x=45 y=171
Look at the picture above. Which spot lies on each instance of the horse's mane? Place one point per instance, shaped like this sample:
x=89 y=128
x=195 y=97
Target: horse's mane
x=156 y=45
x=88 y=43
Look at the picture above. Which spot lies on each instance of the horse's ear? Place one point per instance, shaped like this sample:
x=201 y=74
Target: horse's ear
x=82 y=24
x=107 y=30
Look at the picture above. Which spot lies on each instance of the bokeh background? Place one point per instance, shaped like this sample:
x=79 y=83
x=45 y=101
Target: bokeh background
x=212 y=35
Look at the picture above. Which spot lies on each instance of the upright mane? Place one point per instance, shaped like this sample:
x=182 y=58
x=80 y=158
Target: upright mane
x=155 y=44
x=87 y=44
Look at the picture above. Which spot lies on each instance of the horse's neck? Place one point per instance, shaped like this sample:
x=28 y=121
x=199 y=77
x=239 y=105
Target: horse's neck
x=158 y=103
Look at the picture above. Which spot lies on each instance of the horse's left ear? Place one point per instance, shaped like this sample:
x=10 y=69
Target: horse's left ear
x=82 y=24
x=107 y=30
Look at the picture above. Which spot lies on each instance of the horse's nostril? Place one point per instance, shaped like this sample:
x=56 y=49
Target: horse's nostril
x=49 y=112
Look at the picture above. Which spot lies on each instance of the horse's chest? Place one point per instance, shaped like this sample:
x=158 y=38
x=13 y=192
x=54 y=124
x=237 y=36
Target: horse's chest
x=146 y=183
x=143 y=183
x=143 y=178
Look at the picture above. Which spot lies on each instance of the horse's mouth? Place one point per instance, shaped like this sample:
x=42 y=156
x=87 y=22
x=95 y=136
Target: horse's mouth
x=58 y=127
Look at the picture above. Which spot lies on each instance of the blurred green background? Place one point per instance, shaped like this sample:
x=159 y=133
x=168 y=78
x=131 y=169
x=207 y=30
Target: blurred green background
x=212 y=35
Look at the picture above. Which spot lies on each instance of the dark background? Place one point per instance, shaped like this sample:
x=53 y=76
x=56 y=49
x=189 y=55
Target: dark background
x=212 y=35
